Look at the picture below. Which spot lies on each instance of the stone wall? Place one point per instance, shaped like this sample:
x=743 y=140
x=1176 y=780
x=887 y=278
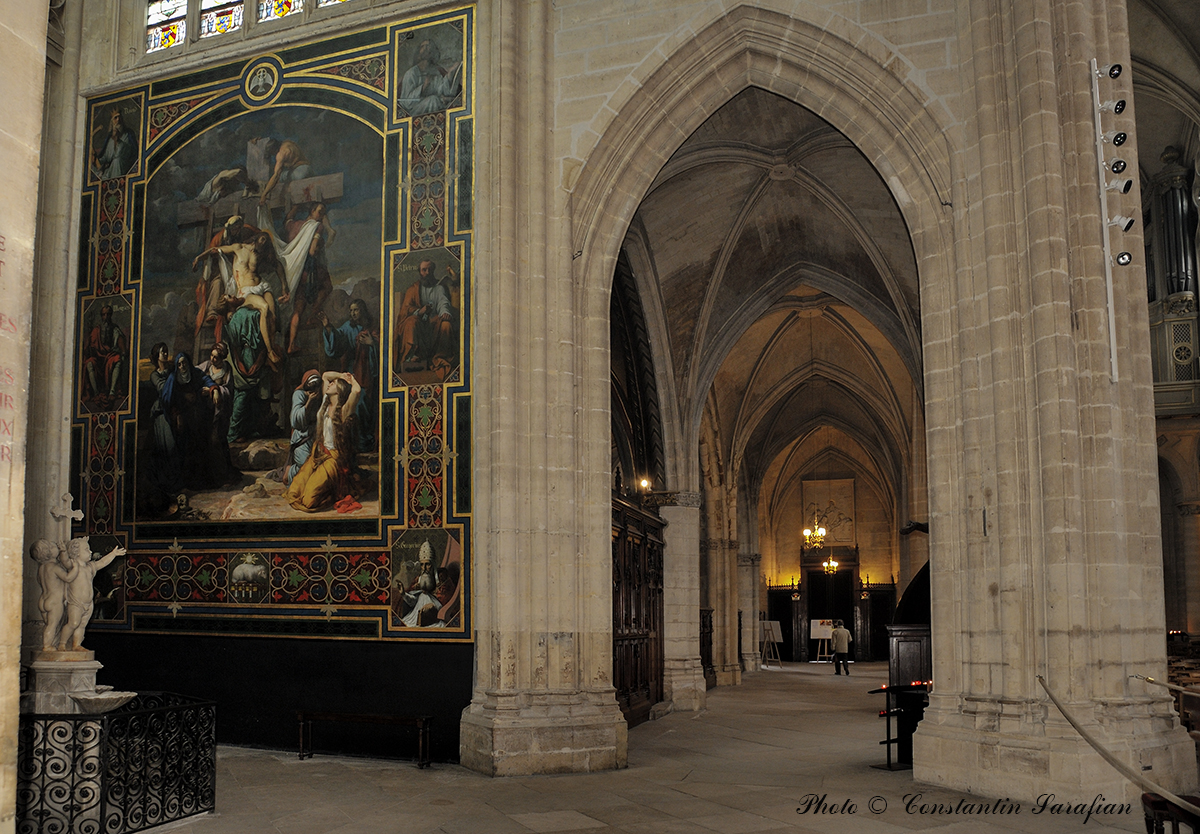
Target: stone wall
x=23 y=47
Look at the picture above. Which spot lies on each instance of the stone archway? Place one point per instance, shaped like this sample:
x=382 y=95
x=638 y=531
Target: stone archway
x=835 y=69
x=818 y=68
x=1020 y=490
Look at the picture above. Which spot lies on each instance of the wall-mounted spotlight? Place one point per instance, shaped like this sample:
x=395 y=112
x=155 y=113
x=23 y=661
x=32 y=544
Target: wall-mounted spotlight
x=1110 y=110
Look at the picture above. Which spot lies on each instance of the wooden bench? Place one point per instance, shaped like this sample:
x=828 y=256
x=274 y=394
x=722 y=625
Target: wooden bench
x=421 y=722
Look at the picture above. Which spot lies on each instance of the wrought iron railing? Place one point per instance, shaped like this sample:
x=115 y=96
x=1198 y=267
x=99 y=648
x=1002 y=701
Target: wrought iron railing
x=145 y=764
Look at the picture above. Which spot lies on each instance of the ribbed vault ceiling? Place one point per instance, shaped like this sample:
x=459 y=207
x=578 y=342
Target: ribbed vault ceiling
x=1165 y=44
x=786 y=290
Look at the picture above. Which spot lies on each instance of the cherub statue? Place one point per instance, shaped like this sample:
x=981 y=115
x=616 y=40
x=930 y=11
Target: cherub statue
x=54 y=572
x=79 y=596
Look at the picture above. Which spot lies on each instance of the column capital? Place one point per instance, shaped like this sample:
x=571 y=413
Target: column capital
x=749 y=560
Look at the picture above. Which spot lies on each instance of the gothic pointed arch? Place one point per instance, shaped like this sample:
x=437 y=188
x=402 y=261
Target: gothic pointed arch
x=834 y=69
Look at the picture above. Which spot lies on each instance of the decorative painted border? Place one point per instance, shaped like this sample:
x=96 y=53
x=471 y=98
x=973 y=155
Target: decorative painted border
x=320 y=578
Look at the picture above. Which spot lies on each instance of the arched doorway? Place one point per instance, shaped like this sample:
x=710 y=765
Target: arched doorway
x=836 y=70
x=787 y=315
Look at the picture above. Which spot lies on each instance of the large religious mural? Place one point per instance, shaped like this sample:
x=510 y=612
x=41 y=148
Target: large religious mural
x=273 y=364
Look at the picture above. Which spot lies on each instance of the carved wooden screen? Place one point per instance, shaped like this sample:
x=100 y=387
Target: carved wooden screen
x=637 y=540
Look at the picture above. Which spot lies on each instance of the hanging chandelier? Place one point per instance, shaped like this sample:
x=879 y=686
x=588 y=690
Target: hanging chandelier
x=830 y=565
x=814 y=538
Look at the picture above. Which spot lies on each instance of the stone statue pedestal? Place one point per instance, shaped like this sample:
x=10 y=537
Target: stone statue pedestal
x=65 y=683
x=78 y=656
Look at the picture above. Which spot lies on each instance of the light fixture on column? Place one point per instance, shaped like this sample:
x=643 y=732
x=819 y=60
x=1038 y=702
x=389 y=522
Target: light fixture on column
x=1109 y=108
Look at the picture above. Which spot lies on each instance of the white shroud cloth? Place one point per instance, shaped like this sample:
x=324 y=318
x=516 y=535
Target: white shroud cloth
x=293 y=253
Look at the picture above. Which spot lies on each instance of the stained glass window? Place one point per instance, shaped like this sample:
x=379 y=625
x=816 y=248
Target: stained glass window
x=166 y=24
x=166 y=20
x=219 y=16
x=273 y=9
x=162 y=11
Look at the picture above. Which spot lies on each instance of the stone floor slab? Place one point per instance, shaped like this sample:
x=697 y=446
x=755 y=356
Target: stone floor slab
x=557 y=821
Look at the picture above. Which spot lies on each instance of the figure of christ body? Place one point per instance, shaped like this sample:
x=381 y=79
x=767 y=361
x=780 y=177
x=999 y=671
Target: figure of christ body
x=213 y=292
x=251 y=262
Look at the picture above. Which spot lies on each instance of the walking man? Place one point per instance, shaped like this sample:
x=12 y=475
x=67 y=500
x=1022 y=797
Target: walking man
x=841 y=639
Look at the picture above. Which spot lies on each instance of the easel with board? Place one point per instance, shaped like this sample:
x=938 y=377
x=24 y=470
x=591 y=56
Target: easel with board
x=822 y=632
x=771 y=638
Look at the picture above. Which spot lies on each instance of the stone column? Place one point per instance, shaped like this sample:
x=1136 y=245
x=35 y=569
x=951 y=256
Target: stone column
x=23 y=51
x=683 y=676
x=1188 y=544
x=724 y=595
x=1045 y=526
x=51 y=365
x=1178 y=451
x=543 y=697
x=749 y=569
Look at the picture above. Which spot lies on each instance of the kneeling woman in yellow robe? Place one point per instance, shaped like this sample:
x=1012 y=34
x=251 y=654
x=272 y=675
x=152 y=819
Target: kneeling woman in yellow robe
x=325 y=476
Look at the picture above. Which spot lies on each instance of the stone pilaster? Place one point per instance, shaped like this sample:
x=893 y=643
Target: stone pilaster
x=683 y=676
x=23 y=55
x=749 y=568
x=725 y=625
x=1178 y=450
x=51 y=366
x=543 y=697
x=1186 y=545
x=724 y=596
x=1045 y=544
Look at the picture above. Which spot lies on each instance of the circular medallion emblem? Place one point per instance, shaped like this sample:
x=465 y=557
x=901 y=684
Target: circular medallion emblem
x=260 y=82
